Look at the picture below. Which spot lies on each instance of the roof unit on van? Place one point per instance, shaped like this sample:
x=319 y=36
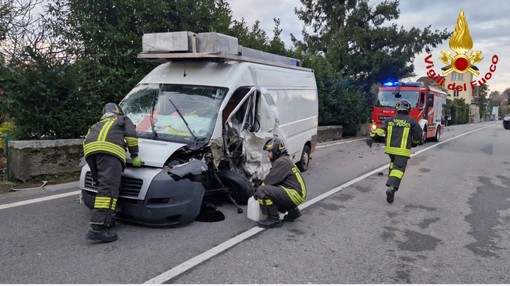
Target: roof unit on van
x=172 y=46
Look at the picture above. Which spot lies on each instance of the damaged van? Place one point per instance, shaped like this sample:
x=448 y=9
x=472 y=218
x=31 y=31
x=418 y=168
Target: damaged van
x=202 y=117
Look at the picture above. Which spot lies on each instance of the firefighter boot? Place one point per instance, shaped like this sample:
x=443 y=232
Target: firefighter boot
x=272 y=220
x=100 y=233
x=110 y=225
x=390 y=194
x=292 y=215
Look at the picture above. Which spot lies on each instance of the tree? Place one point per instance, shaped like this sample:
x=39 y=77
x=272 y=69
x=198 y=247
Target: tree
x=106 y=35
x=497 y=99
x=506 y=95
x=358 y=41
x=483 y=101
x=18 y=28
x=276 y=45
x=256 y=38
x=44 y=99
x=458 y=109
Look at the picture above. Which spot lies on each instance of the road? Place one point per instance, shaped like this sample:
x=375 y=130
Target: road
x=448 y=224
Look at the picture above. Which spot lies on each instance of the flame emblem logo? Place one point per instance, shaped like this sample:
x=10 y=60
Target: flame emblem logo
x=461 y=43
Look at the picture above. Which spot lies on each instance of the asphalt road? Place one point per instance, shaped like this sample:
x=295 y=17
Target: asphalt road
x=449 y=224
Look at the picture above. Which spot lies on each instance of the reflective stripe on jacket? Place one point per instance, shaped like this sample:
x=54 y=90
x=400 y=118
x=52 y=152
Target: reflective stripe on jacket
x=111 y=135
x=402 y=132
x=285 y=174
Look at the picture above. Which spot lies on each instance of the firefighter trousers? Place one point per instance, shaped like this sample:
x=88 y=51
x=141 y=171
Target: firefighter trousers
x=398 y=166
x=272 y=195
x=106 y=171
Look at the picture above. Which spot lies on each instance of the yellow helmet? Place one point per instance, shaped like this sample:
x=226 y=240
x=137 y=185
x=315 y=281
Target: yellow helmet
x=403 y=106
x=276 y=146
x=112 y=108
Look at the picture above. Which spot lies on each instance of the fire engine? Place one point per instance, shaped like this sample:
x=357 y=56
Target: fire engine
x=428 y=106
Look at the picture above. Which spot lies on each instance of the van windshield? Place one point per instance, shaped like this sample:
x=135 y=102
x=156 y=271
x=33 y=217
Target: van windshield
x=151 y=108
x=389 y=98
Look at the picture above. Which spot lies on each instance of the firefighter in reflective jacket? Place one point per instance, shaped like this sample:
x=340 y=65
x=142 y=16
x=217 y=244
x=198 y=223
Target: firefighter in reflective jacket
x=283 y=188
x=402 y=133
x=104 y=149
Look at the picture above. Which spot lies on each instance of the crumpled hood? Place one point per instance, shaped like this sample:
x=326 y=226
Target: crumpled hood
x=155 y=153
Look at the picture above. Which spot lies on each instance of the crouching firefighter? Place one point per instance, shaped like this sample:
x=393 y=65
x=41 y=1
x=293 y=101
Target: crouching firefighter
x=402 y=133
x=283 y=188
x=104 y=150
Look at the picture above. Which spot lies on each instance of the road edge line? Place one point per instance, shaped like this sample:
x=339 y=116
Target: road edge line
x=33 y=201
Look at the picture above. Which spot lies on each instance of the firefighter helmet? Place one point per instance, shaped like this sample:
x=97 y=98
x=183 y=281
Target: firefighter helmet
x=112 y=108
x=403 y=106
x=276 y=146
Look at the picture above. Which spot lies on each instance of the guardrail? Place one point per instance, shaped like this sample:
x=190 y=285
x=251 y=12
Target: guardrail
x=4 y=154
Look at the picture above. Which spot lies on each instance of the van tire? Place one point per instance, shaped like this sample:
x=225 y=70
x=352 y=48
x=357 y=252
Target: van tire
x=240 y=187
x=305 y=159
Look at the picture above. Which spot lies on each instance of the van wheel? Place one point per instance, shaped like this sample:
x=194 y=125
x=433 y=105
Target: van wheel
x=305 y=159
x=438 y=134
x=238 y=186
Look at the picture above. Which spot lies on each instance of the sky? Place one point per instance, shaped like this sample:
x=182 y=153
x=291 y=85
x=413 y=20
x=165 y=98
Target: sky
x=488 y=22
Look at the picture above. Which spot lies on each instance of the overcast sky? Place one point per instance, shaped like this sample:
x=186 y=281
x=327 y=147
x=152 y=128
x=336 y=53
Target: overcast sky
x=488 y=21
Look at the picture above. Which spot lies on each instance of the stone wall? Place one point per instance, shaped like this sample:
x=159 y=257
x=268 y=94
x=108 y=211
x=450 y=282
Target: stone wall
x=329 y=133
x=364 y=130
x=33 y=158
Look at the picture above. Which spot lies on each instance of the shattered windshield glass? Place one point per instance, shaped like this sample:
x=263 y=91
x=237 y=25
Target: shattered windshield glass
x=389 y=98
x=181 y=113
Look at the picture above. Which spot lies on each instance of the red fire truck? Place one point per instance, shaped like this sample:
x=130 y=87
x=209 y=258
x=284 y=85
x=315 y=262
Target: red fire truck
x=427 y=106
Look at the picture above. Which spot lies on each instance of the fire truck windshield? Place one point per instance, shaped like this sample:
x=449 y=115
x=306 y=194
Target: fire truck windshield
x=389 y=98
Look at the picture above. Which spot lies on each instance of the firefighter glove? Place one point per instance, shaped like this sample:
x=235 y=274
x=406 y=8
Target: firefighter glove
x=137 y=162
x=369 y=142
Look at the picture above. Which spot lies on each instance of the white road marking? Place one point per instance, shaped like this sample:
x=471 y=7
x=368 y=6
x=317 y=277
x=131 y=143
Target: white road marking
x=339 y=143
x=187 y=265
x=33 y=201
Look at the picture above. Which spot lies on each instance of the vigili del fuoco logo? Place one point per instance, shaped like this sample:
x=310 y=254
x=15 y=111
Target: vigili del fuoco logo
x=460 y=62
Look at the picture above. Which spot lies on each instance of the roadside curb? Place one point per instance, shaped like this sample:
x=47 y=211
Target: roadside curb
x=65 y=186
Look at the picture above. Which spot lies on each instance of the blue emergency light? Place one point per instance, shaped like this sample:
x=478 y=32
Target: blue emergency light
x=397 y=83
x=392 y=83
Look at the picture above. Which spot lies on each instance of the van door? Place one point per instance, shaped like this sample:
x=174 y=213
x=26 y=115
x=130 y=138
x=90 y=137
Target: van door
x=247 y=128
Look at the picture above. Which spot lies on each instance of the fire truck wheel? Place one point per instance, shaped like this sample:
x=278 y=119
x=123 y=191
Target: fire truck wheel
x=305 y=159
x=424 y=137
x=438 y=134
x=239 y=186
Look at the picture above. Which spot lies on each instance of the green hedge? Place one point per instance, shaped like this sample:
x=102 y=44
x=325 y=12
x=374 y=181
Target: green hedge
x=458 y=109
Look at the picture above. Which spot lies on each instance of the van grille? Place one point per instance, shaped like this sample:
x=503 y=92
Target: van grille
x=129 y=187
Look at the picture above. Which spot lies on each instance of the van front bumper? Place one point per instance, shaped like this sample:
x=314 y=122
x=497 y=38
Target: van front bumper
x=151 y=197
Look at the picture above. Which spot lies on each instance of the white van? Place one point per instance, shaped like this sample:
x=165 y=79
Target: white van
x=202 y=118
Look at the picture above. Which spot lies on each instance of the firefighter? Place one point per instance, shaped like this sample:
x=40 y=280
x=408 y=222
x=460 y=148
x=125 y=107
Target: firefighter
x=283 y=188
x=402 y=133
x=104 y=149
